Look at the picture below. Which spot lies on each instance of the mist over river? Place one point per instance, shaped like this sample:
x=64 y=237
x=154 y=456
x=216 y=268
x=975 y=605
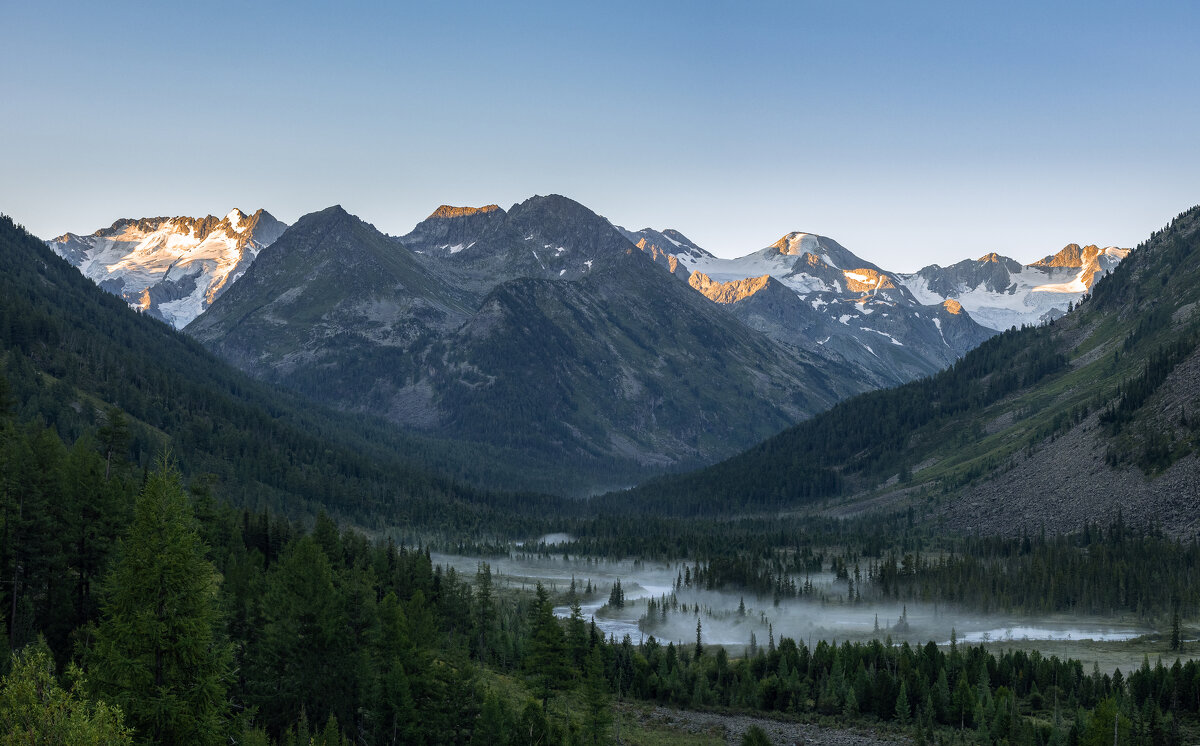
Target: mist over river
x=653 y=606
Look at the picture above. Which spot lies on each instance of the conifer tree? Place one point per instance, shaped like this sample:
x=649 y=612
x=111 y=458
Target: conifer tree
x=598 y=715
x=157 y=654
x=485 y=611
x=301 y=660
x=903 y=710
x=546 y=656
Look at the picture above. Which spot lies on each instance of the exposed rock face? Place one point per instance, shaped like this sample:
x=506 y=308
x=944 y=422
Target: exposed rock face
x=449 y=230
x=171 y=268
x=666 y=248
x=728 y=292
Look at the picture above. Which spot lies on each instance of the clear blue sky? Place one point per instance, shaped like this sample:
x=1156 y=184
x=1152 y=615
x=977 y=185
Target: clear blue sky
x=911 y=132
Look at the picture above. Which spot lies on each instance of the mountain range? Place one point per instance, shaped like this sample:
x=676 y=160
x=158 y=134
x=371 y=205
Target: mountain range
x=1091 y=417
x=550 y=337
x=553 y=337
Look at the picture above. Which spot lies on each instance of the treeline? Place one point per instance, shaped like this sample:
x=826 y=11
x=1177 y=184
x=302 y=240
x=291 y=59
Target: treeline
x=1095 y=571
x=1013 y=698
x=1099 y=570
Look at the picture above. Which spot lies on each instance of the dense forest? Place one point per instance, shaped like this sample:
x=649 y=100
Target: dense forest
x=143 y=609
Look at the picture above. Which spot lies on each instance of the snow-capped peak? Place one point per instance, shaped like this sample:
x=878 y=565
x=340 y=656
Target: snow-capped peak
x=235 y=218
x=798 y=244
x=171 y=268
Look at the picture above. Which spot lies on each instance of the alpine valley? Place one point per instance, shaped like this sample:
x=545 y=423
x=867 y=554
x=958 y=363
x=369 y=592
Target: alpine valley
x=1015 y=519
x=713 y=454
x=545 y=335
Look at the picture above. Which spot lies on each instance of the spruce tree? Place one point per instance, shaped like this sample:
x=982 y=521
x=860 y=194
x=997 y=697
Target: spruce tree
x=598 y=715
x=903 y=710
x=157 y=654
x=546 y=655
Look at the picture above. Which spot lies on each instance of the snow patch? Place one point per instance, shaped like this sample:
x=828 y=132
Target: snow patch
x=893 y=339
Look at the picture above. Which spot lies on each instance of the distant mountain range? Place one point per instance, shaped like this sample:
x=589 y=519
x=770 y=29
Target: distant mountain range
x=1092 y=417
x=548 y=333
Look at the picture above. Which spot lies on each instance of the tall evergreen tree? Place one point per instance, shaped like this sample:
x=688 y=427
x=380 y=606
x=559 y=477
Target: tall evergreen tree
x=546 y=658
x=157 y=653
x=300 y=662
x=598 y=715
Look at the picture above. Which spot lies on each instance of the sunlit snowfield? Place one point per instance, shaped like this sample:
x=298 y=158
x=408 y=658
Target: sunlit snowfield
x=823 y=615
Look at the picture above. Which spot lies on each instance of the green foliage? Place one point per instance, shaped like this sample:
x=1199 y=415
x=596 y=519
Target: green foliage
x=35 y=709
x=158 y=651
x=546 y=659
x=598 y=715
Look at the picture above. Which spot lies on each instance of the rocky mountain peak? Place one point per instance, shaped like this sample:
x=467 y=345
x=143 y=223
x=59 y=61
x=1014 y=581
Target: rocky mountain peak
x=1071 y=255
x=448 y=211
x=797 y=243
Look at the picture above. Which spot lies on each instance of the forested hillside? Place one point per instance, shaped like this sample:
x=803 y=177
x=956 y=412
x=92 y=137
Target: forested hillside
x=78 y=359
x=1118 y=374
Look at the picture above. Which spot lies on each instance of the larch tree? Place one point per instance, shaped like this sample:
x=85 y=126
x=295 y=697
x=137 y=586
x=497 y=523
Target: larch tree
x=157 y=652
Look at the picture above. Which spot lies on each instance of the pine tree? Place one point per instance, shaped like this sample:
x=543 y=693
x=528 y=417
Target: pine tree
x=1176 y=630
x=903 y=709
x=157 y=654
x=114 y=438
x=598 y=716
x=301 y=660
x=546 y=655
x=577 y=636
x=485 y=611
x=394 y=709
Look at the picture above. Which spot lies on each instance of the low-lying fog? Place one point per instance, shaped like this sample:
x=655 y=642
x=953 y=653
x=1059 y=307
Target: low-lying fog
x=823 y=615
